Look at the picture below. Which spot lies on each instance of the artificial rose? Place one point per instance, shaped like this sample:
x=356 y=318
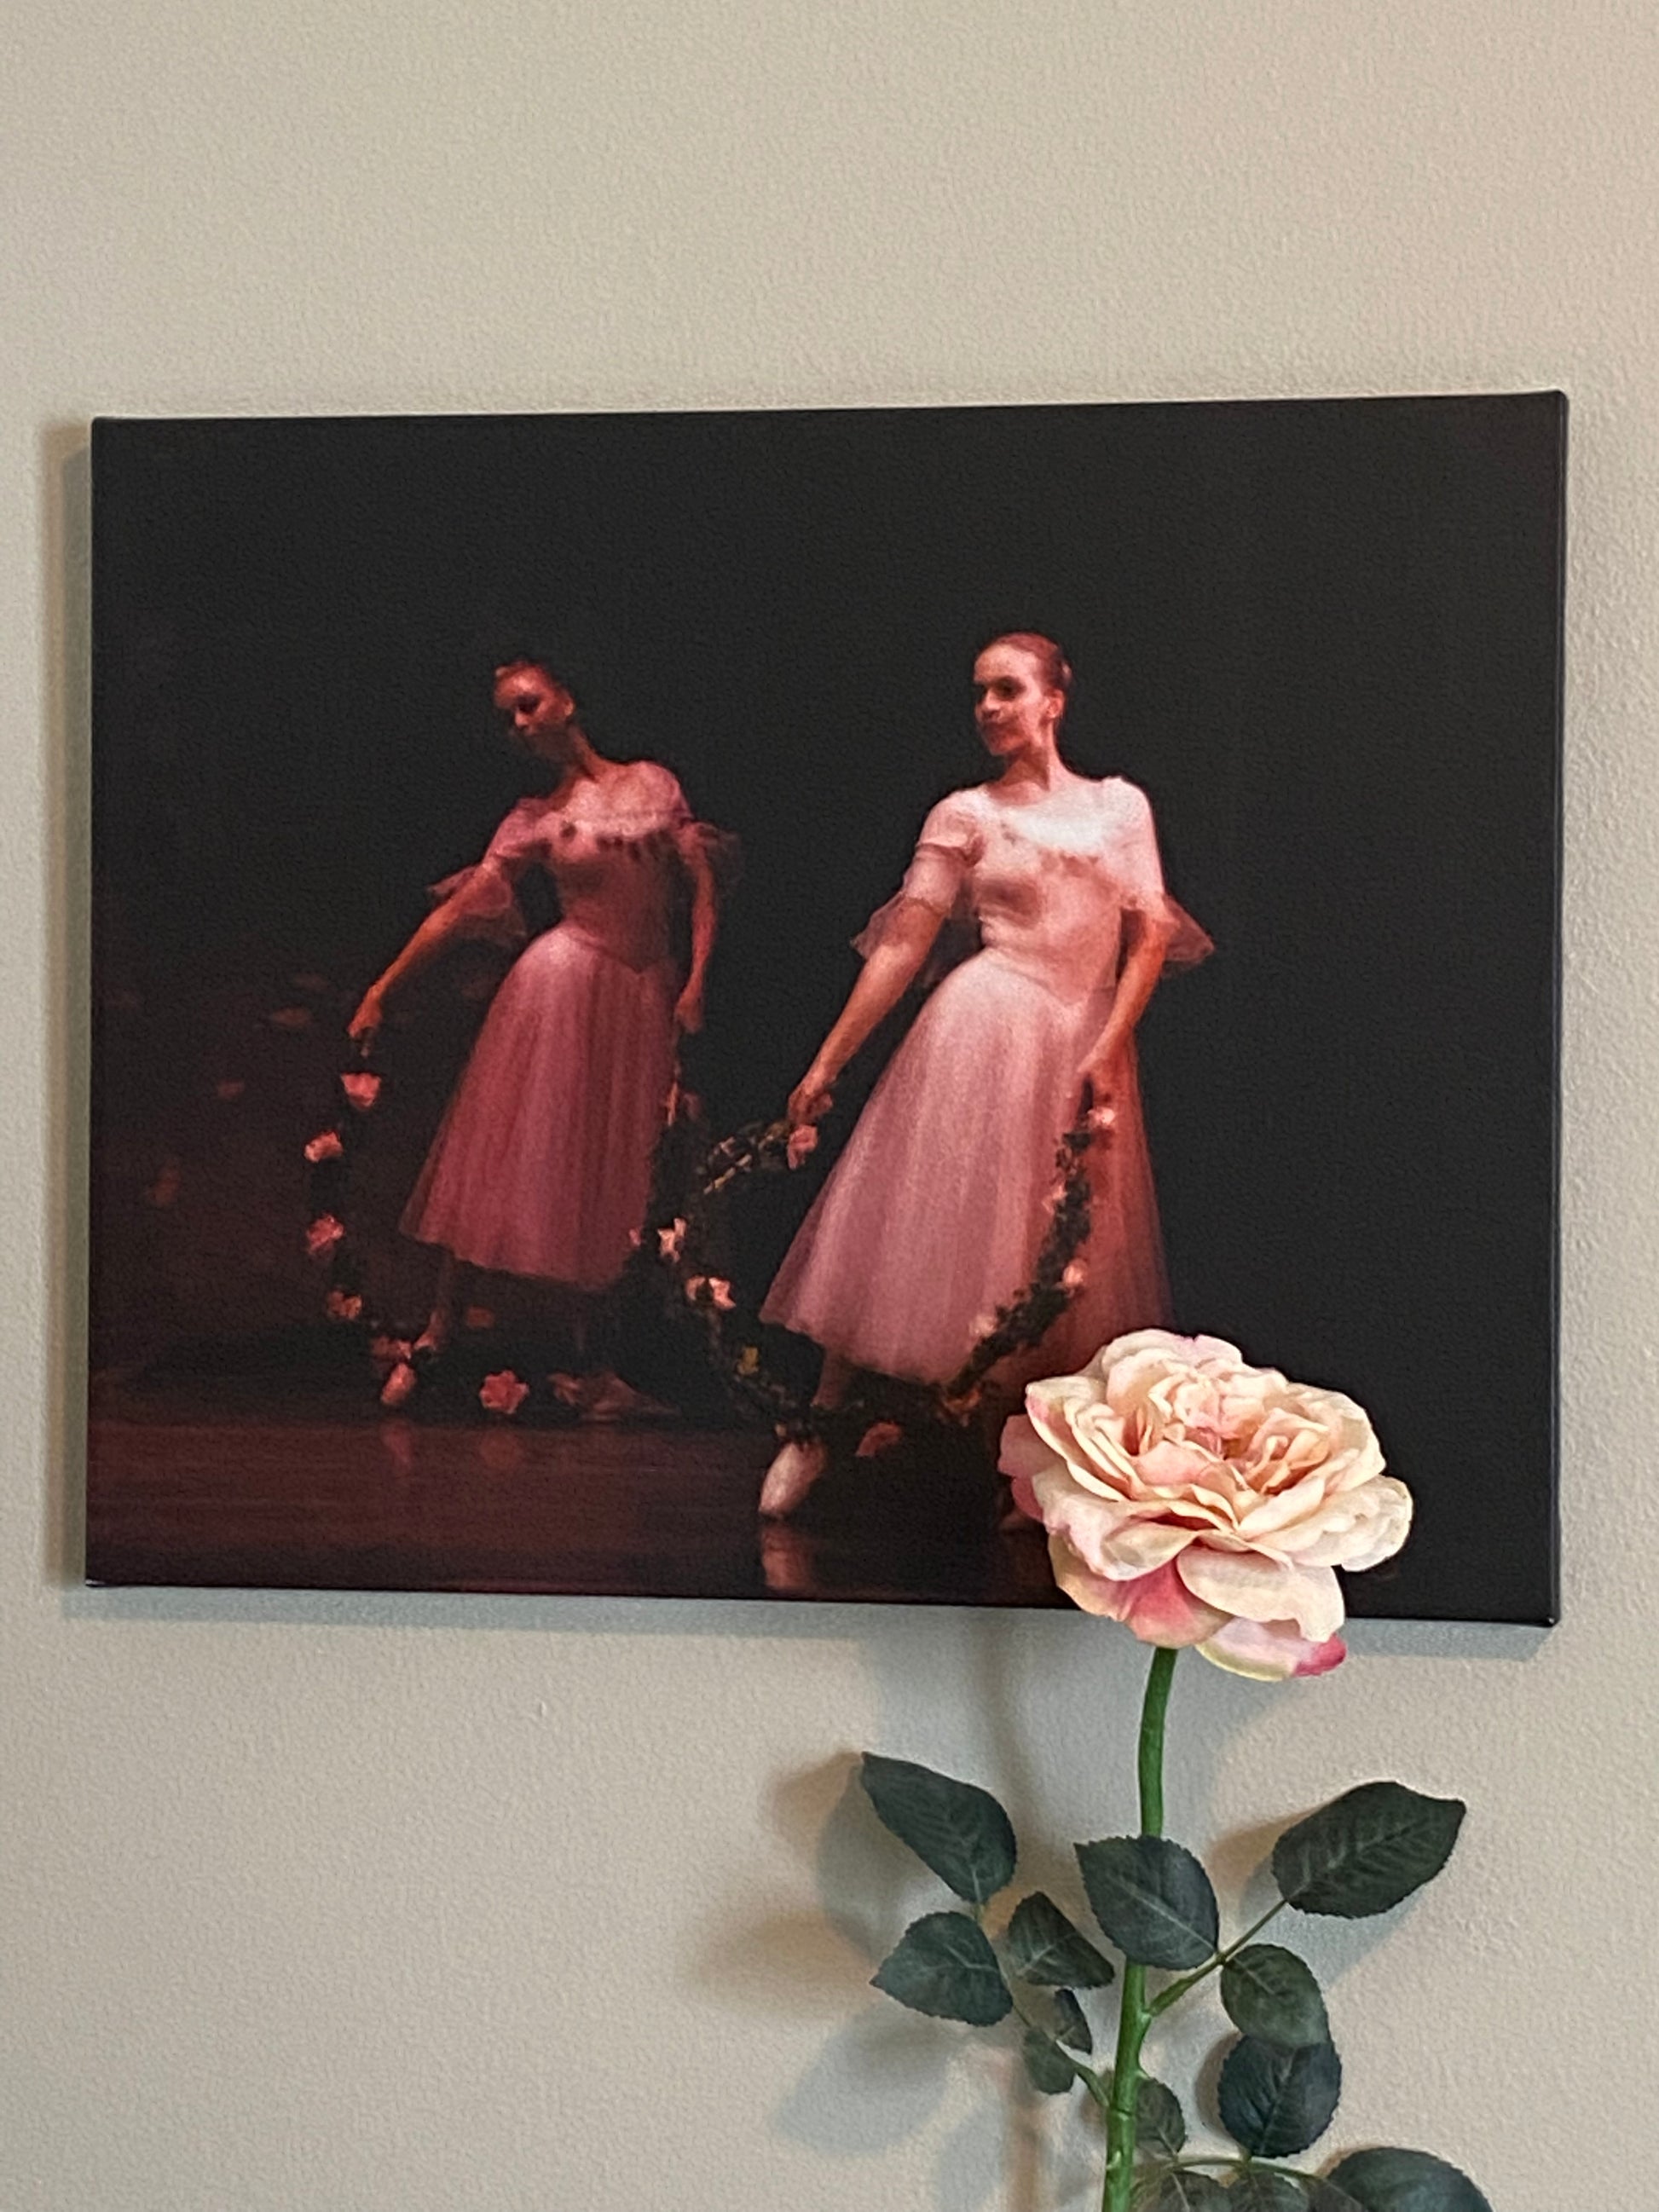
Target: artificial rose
x=361 y=1090
x=343 y=1305
x=324 y=1146
x=1203 y=1501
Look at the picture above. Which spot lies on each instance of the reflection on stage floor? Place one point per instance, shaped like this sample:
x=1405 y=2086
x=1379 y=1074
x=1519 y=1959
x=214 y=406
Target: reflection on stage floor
x=227 y=1481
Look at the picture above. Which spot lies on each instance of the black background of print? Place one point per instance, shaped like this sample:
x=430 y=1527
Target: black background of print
x=1325 y=637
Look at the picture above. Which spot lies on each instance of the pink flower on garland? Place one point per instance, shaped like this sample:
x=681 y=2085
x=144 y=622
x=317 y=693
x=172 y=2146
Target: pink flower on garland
x=399 y=1386
x=362 y=1089
x=502 y=1393
x=389 y=1352
x=325 y=1145
x=880 y=1437
x=672 y=1242
x=720 y=1294
x=322 y=1235
x=1202 y=1501
x=342 y=1305
x=803 y=1143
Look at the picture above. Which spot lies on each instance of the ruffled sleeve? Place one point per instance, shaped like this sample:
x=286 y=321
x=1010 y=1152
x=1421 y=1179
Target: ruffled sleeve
x=698 y=843
x=951 y=841
x=1132 y=854
x=480 y=898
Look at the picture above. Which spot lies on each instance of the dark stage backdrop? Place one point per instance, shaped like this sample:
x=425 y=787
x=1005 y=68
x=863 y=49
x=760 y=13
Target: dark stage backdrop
x=1325 y=637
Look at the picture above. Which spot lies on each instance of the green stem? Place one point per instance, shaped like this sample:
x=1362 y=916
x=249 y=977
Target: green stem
x=1176 y=1990
x=1134 y=2015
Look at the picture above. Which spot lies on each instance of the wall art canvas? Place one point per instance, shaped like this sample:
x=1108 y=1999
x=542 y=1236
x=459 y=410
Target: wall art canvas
x=649 y=969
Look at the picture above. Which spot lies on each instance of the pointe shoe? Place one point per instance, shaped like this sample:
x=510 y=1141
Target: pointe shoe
x=791 y=1475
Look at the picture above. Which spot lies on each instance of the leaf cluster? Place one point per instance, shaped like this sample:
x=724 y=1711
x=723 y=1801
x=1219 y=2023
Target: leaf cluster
x=1281 y=2080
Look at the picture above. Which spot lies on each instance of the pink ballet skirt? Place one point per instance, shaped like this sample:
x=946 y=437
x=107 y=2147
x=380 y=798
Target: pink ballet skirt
x=935 y=1212
x=542 y=1164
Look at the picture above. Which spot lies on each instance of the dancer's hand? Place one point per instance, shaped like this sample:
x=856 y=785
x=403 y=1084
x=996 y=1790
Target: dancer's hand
x=811 y=1097
x=688 y=1009
x=1104 y=1073
x=365 y=1024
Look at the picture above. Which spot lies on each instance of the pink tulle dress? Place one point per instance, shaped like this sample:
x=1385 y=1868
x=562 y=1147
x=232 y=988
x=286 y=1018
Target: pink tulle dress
x=935 y=1212
x=542 y=1163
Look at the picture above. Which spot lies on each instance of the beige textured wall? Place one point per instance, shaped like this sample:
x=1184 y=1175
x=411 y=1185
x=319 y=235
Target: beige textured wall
x=384 y=1905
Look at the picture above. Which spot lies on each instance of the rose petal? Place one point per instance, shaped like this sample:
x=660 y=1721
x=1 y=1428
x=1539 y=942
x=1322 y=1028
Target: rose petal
x=1245 y=1583
x=1157 y=1607
x=1121 y=1541
x=1271 y=1650
x=1023 y=1451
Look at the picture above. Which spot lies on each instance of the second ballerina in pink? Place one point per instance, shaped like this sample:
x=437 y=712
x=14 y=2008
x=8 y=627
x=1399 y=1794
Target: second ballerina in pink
x=934 y=1215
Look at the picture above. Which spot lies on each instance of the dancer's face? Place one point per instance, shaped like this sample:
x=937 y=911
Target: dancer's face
x=1015 y=709
x=540 y=708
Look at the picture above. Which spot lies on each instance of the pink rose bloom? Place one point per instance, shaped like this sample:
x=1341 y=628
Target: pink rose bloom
x=670 y=1241
x=324 y=1146
x=803 y=1143
x=322 y=1235
x=502 y=1393
x=342 y=1305
x=720 y=1294
x=361 y=1090
x=1203 y=1501
x=388 y=1352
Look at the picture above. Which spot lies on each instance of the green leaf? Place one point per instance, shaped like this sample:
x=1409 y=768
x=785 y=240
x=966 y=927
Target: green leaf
x=1406 y=2181
x=1324 y=2195
x=960 y=1832
x=1258 y=2190
x=944 y=1966
x=1180 y=2190
x=1271 y=1994
x=1047 y=2066
x=1160 y=2125
x=1074 y=2029
x=1045 y=1950
x=1367 y=1849
x=1153 y=1899
x=1275 y=2102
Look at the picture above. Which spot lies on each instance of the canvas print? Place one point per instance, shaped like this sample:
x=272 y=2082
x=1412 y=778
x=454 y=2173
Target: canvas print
x=650 y=971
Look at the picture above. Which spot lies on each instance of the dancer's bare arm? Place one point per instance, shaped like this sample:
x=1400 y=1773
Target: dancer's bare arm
x=893 y=965
x=705 y=925
x=443 y=923
x=1135 y=986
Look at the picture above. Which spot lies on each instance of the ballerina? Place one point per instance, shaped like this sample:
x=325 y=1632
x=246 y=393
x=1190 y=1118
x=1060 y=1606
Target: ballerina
x=541 y=1167
x=933 y=1214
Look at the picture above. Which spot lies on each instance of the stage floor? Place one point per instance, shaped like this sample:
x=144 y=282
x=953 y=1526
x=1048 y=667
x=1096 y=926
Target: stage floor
x=235 y=1483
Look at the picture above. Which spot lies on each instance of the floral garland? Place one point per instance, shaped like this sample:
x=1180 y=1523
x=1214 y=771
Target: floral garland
x=684 y=1228
x=881 y=1412
x=398 y=1360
